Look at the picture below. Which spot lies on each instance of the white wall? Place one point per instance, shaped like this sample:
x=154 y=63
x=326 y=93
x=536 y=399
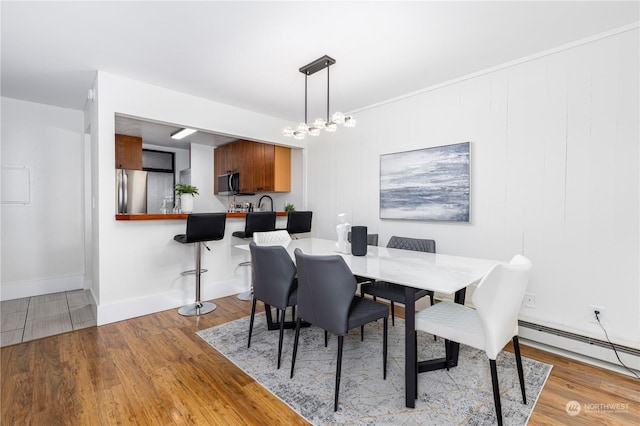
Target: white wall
x=43 y=242
x=137 y=264
x=554 y=159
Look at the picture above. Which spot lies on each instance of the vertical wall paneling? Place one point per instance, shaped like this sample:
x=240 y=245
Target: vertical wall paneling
x=554 y=175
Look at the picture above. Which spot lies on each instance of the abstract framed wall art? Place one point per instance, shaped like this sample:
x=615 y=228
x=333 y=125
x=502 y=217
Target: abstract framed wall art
x=426 y=184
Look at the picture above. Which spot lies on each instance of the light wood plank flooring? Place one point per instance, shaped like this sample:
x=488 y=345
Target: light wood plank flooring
x=155 y=370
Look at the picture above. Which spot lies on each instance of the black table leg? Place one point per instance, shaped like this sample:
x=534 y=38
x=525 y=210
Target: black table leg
x=451 y=348
x=410 y=364
x=271 y=325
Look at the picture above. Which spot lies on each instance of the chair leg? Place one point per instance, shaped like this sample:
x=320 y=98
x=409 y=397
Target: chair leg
x=293 y=313
x=281 y=334
x=384 y=348
x=362 y=333
x=496 y=390
x=415 y=345
x=393 y=315
x=326 y=343
x=338 y=371
x=435 y=338
x=516 y=349
x=295 y=347
x=253 y=313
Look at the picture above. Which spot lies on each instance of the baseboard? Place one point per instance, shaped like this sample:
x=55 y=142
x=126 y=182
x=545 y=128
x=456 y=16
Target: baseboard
x=590 y=351
x=126 y=309
x=18 y=290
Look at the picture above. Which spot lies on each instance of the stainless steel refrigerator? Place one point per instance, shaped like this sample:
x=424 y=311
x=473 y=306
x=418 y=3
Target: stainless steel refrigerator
x=131 y=191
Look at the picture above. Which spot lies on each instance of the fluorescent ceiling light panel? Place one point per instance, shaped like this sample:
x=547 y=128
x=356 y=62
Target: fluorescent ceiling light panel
x=182 y=133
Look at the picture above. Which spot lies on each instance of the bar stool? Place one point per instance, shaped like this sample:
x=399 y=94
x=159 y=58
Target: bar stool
x=299 y=222
x=255 y=222
x=201 y=227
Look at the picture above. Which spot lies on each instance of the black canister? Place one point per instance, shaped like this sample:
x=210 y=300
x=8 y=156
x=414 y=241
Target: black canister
x=359 y=240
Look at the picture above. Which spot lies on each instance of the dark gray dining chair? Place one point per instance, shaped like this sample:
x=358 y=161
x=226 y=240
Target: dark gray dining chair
x=274 y=283
x=326 y=289
x=372 y=239
x=254 y=222
x=394 y=292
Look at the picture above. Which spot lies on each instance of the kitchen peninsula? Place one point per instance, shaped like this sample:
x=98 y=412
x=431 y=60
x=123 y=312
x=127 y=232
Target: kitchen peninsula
x=174 y=216
x=151 y=263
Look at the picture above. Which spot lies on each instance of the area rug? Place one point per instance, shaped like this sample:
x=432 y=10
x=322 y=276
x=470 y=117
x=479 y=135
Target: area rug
x=461 y=396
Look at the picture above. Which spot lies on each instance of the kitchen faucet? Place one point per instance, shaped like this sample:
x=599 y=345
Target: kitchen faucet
x=260 y=202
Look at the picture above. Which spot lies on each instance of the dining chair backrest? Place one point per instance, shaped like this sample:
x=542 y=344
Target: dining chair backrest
x=274 y=274
x=497 y=300
x=326 y=288
x=414 y=244
x=372 y=239
x=272 y=237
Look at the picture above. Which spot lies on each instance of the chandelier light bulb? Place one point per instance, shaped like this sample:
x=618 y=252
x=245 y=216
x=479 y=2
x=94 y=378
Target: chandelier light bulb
x=338 y=118
x=319 y=123
x=314 y=131
x=298 y=135
x=331 y=126
x=303 y=128
x=288 y=132
x=349 y=121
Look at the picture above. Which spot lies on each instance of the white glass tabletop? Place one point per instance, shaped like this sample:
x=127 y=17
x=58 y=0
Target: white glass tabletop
x=430 y=271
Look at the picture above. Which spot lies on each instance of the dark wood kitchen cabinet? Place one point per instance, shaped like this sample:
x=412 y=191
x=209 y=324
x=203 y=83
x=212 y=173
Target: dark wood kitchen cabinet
x=262 y=167
x=225 y=160
x=128 y=152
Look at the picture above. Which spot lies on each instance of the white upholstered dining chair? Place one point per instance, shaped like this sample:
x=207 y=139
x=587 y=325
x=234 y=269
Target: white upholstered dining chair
x=492 y=323
x=277 y=238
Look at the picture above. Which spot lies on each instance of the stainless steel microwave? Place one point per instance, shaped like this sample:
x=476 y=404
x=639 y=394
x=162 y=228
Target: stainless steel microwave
x=229 y=184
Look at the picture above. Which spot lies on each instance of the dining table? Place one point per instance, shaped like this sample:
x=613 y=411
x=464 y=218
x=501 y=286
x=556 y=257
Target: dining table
x=414 y=270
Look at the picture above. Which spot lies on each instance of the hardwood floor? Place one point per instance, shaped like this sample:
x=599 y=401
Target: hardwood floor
x=156 y=370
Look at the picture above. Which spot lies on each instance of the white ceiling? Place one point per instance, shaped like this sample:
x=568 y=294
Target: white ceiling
x=247 y=54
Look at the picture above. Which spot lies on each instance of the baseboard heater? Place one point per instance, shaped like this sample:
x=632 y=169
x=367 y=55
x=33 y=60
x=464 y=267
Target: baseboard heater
x=579 y=344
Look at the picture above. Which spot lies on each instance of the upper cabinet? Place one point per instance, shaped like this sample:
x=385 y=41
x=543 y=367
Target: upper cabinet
x=128 y=152
x=262 y=167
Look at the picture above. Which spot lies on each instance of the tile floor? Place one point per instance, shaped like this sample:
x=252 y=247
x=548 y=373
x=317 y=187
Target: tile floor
x=41 y=316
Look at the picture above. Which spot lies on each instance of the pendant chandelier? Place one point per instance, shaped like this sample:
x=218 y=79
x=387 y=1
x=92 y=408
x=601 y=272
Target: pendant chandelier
x=331 y=123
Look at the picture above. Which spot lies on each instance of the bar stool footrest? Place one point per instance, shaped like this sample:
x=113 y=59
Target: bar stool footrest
x=193 y=272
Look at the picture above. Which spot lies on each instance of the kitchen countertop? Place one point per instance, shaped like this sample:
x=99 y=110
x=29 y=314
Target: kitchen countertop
x=175 y=216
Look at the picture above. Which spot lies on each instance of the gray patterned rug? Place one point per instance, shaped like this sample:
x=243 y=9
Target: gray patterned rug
x=460 y=396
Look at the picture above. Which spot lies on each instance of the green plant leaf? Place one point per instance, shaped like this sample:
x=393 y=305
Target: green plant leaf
x=182 y=188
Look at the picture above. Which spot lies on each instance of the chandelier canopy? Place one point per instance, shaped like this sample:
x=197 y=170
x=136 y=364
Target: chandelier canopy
x=331 y=123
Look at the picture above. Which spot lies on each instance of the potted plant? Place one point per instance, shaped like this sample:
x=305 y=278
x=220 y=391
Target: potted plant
x=288 y=207
x=186 y=193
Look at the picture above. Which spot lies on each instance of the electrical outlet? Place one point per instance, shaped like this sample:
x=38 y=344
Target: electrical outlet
x=529 y=300
x=592 y=314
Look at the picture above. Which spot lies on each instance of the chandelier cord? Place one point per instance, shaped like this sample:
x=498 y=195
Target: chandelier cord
x=305 y=96
x=328 y=66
